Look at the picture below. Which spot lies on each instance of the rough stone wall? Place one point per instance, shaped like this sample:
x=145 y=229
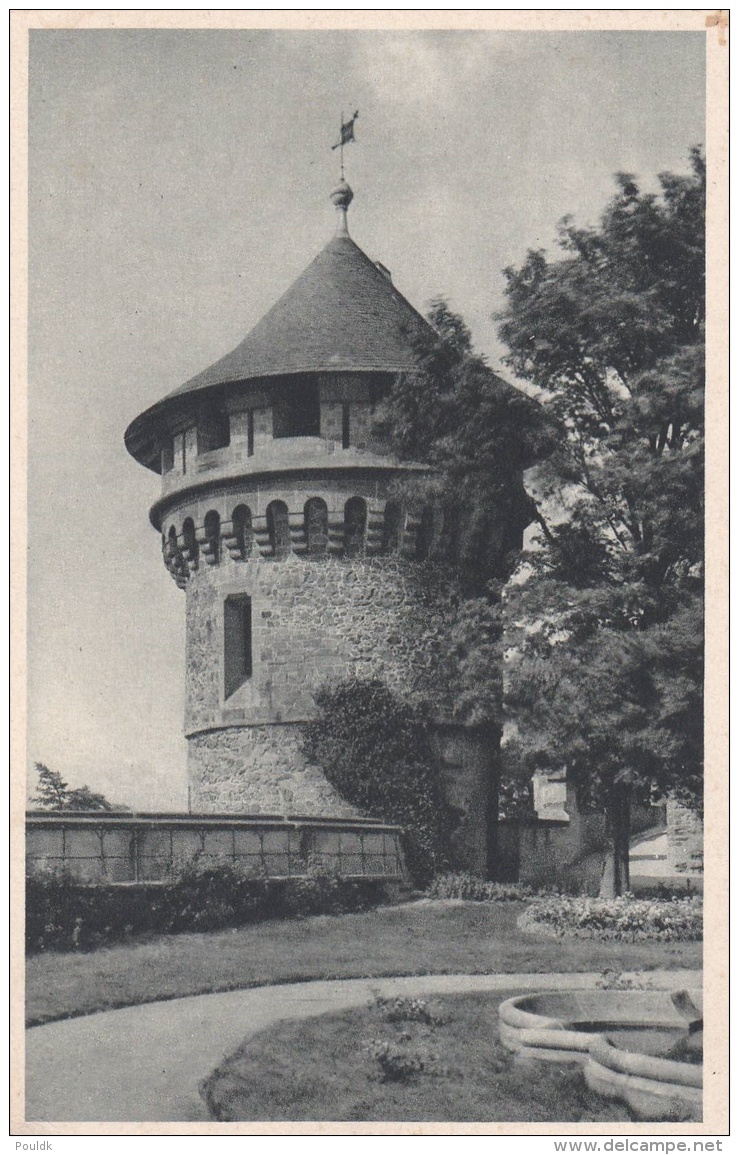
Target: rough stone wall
x=317 y=620
x=558 y=853
x=684 y=839
x=469 y=761
x=314 y=621
x=259 y=770
x=203 y=670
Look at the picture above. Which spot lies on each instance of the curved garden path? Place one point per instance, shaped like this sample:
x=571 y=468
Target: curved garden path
x=144 y=1063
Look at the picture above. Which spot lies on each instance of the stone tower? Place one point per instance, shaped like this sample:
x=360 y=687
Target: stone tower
x=279 y=521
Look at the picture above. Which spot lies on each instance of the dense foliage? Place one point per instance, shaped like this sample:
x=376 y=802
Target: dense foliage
x=375 y=750
x=53 y=793
x=478 y=433
x=605 y=625
x=63 y=914
x=471 y=889
x=406 y=1010
x=624 y=919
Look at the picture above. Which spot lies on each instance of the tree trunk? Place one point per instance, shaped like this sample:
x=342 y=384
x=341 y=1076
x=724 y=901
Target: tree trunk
x=615 y=879
x=492 y=736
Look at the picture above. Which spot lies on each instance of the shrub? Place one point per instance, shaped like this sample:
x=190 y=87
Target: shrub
x=472 y=889
x=625 y=919
x=404 y=1010
x=672 y=888
x=397 y=1062
x=323 y=891
x=64 y=914
x=375 y=751
x=203 y=896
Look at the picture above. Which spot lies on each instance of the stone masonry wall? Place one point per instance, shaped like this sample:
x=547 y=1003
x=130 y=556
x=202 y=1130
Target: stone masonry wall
x=317 y=620
x=684 y=839
x=469 y=761
x=259 y=770
x=314 y=621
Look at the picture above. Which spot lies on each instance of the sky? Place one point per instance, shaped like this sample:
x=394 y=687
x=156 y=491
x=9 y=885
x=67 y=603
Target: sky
x=178 y=184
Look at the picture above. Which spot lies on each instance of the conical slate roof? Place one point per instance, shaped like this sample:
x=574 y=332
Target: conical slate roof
x=342 y=314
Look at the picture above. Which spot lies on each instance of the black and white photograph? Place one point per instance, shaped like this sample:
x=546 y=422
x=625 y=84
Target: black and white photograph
x=366 y=368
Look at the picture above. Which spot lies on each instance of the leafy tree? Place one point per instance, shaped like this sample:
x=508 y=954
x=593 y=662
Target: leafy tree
x=375 y=750
x=53 y=793
x=52 y=790
x=605 y=625
x=605 y=635
x=479 y=434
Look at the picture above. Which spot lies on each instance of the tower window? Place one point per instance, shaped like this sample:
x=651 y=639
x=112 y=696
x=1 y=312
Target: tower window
x=355 y=525
x=237 y=648
x=242 y=531
x=391 y=532
x=189 y=540
x=250 y=433
x=316 y=525
x=212 y=526
x=345 y=427
x=296 y=411
x=173 y=551
x=278 y=526
x=167 y=455
x=214 y=429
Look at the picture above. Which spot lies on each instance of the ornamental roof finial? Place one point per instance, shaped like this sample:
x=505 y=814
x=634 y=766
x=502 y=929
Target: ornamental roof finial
x=341 y=197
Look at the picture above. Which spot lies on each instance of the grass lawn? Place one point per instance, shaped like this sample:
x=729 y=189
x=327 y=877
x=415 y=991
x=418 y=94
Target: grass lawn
x=439 y=937
x=323 y=1069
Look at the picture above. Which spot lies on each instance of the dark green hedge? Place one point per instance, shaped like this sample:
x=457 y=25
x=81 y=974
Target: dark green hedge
x=63 y=914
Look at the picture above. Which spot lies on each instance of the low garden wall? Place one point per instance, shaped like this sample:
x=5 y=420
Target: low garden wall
x=112 y=848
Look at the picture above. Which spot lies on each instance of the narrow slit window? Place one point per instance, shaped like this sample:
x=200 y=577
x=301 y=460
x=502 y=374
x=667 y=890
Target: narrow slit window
x=316 y=525
x=279 y=528
x=355 y=526
x=391 y=533
x=190 y=540
x=250 y=433
x=173 y=551
x=212 y=526
x=345 y=427
x=237 y=643
x=242 y=530
x=167 y=455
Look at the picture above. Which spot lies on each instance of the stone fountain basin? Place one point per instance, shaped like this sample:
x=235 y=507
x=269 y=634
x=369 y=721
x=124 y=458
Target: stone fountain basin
x=620 y=1038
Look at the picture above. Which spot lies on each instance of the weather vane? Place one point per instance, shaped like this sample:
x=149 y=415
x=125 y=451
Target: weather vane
x=346 y=137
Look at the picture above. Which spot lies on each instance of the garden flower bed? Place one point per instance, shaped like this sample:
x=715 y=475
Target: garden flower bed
x=625 y=919
x=437 y=1060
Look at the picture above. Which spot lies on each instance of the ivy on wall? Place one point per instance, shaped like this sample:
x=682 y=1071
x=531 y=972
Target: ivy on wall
x=375 y=751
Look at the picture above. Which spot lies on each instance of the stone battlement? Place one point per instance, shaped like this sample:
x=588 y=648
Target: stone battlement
x=314 y=529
